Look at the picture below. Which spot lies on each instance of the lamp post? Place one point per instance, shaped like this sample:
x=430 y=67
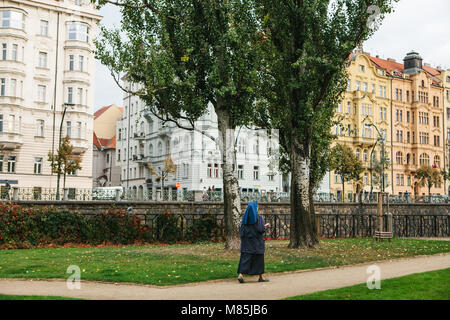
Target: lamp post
x=66 y=105
x=382 y=142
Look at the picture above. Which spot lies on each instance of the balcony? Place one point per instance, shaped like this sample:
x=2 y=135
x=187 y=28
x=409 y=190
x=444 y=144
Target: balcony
x=79 y=145
x=12 y=66
x=10 y=140
x=76 y=76
x=9 y=100
x=139 y=136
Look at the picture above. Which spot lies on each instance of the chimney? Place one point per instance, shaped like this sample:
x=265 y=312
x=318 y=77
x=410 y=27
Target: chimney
x=412 y=63
x=390 y=59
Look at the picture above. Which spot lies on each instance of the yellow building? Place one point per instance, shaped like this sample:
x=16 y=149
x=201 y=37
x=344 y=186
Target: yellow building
x=364 y=115
x=445 y=79
x=401 y=102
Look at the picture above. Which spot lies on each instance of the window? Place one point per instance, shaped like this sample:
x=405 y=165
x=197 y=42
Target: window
x=364 y=86
x=437 y=141
x=80 y=96
x=81 y=63
x=366 y=109
x=424 y=138
x=382 y=113
x=78 y=31
x=366 y=178
x=1 y=163
x=382 y=92
x=42 y=60
x=70 y=95
x=365 y=155
x=40 y=128
x=399 y=157
x=12 y=123
x=118 y=155
x=69 y=128
x=399 y=136
x=255 y=173
x=424 y=160
x=349 y=107
x=1 y=123
x=14 y=56
x=358 y=84
x=399 y=115
x=437 y=161
x=240 y=172
x=349 y=85
x=44 y=28
x=12 y=19
x=373 y=88
x=37 y=165
x=436 y=121
x=367 y=131
x=358 y=154
x=216 y=170
x=4 y=51
x=41 y=93
x=361 y=68
x=78 y=132
x=11 y=164
x=13 y=86
x=209 y=170
x=2 y=87
x=71 y=62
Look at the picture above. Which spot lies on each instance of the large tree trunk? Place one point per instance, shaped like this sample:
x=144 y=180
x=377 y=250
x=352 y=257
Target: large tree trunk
x=231 y=196
x=303 y=231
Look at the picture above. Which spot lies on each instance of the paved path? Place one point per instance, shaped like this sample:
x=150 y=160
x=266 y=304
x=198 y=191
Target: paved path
x=280 y=285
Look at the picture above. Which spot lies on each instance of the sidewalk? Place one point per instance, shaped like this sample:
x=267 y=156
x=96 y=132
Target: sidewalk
x=281 y=285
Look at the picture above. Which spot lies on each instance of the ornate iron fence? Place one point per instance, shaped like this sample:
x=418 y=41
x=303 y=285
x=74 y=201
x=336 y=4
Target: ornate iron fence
x=331 y=225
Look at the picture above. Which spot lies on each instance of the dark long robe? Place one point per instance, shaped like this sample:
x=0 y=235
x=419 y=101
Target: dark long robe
x=252 y=248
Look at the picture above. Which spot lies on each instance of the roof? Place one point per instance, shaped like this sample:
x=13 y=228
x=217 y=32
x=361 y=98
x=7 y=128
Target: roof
x=396 y=68
x=103 y=144
x=100 y=111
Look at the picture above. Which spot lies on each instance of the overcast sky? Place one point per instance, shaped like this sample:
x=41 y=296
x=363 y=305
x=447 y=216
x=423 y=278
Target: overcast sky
x=417 y=25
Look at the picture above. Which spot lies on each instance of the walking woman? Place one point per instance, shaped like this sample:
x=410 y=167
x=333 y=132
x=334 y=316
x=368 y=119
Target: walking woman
x=252 y=244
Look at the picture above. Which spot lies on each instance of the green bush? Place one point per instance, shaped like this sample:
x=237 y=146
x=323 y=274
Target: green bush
x=26 y=227
x=203 y=229
x=167 y=228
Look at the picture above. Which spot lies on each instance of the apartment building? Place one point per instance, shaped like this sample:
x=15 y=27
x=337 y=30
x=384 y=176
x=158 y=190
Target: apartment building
x=403 y=103
x=143 y=140
x=445 y=79
x=364 y=117
x=105 y=171
x=46 y=84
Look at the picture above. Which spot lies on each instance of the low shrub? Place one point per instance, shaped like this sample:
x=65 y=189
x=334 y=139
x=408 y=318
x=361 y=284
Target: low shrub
x=28 y=227
x=167 y=228
x=203 y=229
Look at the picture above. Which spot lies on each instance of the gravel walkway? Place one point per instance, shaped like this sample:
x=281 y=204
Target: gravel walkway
x=281 y=285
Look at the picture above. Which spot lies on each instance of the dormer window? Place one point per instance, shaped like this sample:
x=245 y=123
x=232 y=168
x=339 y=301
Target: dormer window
x=361 y=68
x=423 y=84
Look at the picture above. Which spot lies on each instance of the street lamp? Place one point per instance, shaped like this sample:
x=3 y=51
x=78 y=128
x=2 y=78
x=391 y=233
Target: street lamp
x=382 y=142
x=66 y=105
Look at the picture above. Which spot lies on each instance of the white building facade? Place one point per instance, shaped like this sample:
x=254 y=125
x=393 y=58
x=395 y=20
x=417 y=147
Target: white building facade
x=46 y=65
x=143 y=139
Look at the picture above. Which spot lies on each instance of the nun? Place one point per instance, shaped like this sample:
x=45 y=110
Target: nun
x=252 y=244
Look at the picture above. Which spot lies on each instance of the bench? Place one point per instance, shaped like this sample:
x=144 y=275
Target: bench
x=383 y=235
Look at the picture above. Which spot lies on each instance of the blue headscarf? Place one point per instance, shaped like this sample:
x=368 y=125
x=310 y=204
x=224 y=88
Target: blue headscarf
x=250 y=214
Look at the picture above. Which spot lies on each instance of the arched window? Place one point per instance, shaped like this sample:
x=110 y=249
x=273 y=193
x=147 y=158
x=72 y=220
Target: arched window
x=358 y=154
x=365 y=155
x=150 y=149
x=399 y=157
x=160 y=148
x=408 y=158
x=437 y=161
x=424 y=160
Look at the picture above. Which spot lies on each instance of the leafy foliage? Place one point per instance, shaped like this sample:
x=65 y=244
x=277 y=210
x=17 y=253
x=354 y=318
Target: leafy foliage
x=345 y=163
x=428 y=176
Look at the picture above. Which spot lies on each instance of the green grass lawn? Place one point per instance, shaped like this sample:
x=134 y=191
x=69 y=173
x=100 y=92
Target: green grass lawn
x=177 y=264
x=433 y=285
x=11 y=297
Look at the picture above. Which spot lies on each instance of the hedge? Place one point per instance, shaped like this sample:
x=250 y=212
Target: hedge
x=33 y=227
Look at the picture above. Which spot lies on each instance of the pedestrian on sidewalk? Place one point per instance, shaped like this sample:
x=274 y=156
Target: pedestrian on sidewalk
x=252 y=244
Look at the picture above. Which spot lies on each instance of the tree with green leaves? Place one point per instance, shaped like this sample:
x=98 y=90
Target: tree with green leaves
x=186 y=55
x=428 y=176
x=379 y=166
x=307 y=44
x=64 y=161
x=345 y=163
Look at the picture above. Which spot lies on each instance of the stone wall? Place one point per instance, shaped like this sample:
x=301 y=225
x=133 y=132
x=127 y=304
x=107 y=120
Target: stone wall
x=217 y=207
